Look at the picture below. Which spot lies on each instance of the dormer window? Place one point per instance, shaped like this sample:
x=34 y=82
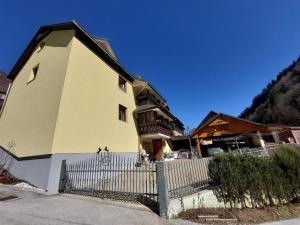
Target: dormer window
x=122 y=84
x=33 y=73
x=41 y=46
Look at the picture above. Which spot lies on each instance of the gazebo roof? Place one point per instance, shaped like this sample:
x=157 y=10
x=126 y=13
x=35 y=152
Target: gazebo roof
x=220 y=124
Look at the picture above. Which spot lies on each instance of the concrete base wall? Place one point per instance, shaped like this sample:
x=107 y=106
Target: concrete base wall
x=202 y=199
x=45 y=173
x=35 y=171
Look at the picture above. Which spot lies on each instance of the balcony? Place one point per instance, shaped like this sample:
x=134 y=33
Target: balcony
x=176 y=130
x=149 y=99
x=157 y=129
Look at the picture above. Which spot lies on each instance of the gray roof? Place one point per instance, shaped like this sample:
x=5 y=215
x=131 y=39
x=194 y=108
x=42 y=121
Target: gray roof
x=104 y=43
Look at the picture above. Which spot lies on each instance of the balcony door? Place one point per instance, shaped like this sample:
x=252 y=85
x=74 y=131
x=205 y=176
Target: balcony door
x=157 y=149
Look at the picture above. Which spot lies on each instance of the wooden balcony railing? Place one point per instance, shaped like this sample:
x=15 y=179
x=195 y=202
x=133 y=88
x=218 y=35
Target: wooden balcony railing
x=175 y=128
x=150 y=99
x=154 y=128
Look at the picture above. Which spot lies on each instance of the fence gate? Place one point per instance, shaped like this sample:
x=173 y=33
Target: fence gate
x=112 y=176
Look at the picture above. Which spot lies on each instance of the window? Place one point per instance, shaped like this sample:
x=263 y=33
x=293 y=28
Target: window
x=41 y=46
x=33 y=74
x=122 y=113
x=122 y=84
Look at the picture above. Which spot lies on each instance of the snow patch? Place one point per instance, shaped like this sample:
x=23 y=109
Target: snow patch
x=25 y=186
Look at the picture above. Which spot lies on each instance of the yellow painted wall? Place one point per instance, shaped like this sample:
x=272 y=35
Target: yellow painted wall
x=88 y=115
x=30 y=113
x=167 y=148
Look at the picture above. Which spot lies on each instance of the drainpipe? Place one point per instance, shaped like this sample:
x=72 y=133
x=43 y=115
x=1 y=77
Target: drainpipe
x=139 y=139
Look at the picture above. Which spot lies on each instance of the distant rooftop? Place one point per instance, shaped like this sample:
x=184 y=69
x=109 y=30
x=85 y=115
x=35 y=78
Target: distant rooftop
x=4 y=82
x=104 y=43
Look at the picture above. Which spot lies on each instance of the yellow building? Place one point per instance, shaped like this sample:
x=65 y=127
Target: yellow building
x=70 y=95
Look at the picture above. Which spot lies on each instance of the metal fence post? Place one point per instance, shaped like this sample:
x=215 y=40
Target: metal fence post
x=162 y=189
x=62 y=179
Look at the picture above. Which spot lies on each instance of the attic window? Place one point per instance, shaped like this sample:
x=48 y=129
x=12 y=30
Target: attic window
x=122 y=84
x=33 y=73
x=41 y=46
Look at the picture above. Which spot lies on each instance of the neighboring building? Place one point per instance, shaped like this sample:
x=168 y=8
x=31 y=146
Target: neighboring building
x=156 y=124
x=70 y=95
x=4 y=85
x=230 y=132
x=289 y=135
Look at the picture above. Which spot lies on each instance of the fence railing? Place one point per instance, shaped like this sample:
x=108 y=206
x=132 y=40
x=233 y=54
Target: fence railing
x=268 y=150
x=112 y=176
x=186 y=177
x=256 y=151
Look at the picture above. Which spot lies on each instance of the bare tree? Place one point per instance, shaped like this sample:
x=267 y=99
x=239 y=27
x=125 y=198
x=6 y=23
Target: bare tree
x=6 y=160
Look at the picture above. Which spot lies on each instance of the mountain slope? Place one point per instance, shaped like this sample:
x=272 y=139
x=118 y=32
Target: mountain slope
x=279 y=102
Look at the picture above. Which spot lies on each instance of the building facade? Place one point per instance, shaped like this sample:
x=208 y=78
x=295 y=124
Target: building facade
x=70 y=96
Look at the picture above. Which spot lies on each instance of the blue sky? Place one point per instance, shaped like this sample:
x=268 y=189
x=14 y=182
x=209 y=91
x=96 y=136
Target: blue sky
x=201 y=55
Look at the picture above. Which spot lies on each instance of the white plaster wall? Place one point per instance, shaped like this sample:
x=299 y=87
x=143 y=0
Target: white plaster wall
x=202 y=199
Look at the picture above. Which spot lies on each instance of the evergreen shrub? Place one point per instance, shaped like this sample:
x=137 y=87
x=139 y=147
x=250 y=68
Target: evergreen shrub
x=254 y=181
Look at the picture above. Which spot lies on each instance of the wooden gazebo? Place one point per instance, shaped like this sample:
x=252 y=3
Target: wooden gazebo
x=216 y=125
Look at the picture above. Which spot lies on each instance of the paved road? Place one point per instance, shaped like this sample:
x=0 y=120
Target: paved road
x=38 y=209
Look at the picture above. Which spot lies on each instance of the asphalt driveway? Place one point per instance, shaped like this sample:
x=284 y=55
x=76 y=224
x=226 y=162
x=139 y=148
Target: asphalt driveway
x=32 y=208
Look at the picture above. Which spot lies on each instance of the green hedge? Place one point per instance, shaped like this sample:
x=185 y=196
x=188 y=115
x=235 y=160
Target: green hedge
x=258 y=181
